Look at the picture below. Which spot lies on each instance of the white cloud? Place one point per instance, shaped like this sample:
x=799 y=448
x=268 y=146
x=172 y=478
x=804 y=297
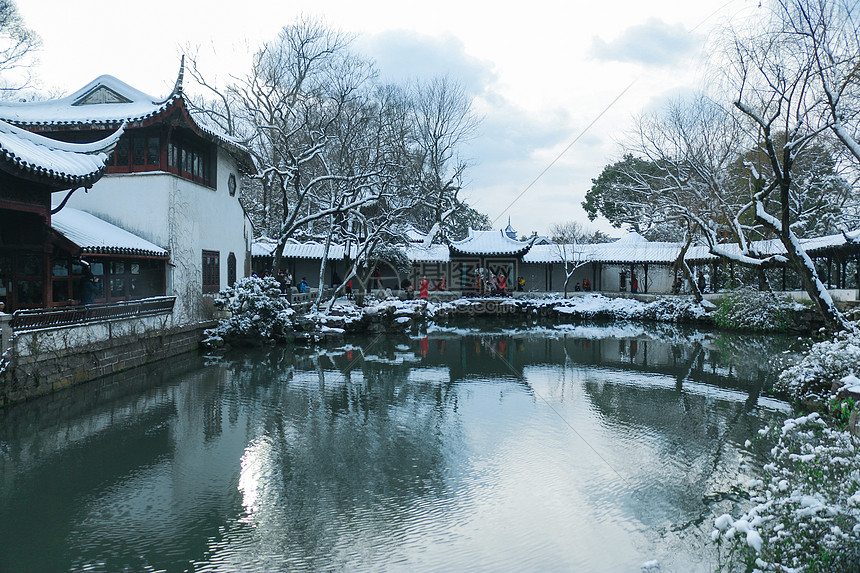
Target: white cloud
x=403 y=55
x=654 y=43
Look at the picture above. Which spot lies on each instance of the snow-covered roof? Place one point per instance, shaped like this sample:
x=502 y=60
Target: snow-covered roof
x=96 y=236
x=634 y=251
x=105 y=100
x=489 y=243
x=621 y=251
x=263 y=247
x=432 y=254
x=414 y=234
x=826 y=241
x=633 y=248
x=312 y=250
x=631 y=238
x=775 y=246
x=555 y=253
x=68 y=164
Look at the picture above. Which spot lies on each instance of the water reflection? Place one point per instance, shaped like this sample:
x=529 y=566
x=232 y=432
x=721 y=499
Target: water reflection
x=588 y=448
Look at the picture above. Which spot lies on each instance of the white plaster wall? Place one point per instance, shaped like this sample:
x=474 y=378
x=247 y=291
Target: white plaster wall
x=181 y=216
x=609 y=278
x=136 y=202
x=559 y=275
x=660 y=278
x=838 y=295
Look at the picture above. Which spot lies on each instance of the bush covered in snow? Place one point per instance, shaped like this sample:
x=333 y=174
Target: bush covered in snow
x=818 y=375
x=806 y=517
x=258 y=313
x=674 y=309
x=677 y=310
x=751 y=309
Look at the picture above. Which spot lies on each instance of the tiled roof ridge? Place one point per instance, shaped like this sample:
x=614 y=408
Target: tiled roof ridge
x=39 y=155
x=142 y=107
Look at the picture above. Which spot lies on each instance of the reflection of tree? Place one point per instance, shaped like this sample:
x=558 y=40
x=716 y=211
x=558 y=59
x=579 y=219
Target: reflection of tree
x=695 y=438
x=740 y=361
x=357 y=444
x=59 y=465
x=321 y=452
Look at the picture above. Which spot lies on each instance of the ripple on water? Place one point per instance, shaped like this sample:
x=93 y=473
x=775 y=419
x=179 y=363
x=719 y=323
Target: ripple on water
x=453 y=465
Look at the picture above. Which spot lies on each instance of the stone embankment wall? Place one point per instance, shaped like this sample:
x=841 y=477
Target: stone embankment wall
x=39 y=362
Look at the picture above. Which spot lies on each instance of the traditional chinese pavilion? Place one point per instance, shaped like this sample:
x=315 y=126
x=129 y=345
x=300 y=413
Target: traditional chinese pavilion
x=170 y=180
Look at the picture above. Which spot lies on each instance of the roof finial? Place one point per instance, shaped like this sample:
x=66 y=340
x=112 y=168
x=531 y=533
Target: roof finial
x=509 y=231
x=177 y=87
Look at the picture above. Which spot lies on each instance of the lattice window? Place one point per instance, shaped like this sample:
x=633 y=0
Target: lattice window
x=231 y=269
x=211 y=271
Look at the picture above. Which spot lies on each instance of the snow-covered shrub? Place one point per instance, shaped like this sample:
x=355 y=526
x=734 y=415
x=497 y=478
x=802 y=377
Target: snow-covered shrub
x=823 y=367
x=750 y=309
x=257 y=310
x=676 y=310
x=806 y=516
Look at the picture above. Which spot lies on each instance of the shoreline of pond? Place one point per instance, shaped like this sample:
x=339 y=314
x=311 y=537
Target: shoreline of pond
x=392 y=316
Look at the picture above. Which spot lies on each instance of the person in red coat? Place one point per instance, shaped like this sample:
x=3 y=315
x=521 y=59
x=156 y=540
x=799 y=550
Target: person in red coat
x=502 y=284
x=424 y=287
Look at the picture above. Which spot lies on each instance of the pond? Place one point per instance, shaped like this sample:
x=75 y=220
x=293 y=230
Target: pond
x=588 y=448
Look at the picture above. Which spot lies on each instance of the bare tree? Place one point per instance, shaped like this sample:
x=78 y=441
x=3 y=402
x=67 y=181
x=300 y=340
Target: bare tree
x=338 y=157
x=776 y=93
x=574 y=231
x=442 y=120
x=18 y=44
x=826 y=33
x=737 y=174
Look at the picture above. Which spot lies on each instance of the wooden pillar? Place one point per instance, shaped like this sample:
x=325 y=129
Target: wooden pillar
x=645 y=283
x=5 y=332
x=829 y=269
x=843 y=266
x=856 y=271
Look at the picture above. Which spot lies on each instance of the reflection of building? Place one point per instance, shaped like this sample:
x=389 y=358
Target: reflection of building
x=728 y=361
x=170 y=181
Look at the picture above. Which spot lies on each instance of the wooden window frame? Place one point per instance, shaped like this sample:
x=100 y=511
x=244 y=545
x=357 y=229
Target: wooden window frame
x=211 y=272
x=231 y=269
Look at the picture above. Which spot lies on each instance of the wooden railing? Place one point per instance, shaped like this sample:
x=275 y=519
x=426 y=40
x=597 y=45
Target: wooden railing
x=36 y=319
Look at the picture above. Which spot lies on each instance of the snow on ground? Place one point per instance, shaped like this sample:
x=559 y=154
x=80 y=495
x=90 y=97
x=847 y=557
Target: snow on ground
x=256 y=309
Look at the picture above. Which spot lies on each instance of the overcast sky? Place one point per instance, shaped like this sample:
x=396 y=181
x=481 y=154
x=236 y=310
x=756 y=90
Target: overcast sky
x=540 y=72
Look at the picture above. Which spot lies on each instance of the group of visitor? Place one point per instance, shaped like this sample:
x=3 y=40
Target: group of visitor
x=423 y=287
x=285 y=280
x=682 y=285
x=496 y=285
